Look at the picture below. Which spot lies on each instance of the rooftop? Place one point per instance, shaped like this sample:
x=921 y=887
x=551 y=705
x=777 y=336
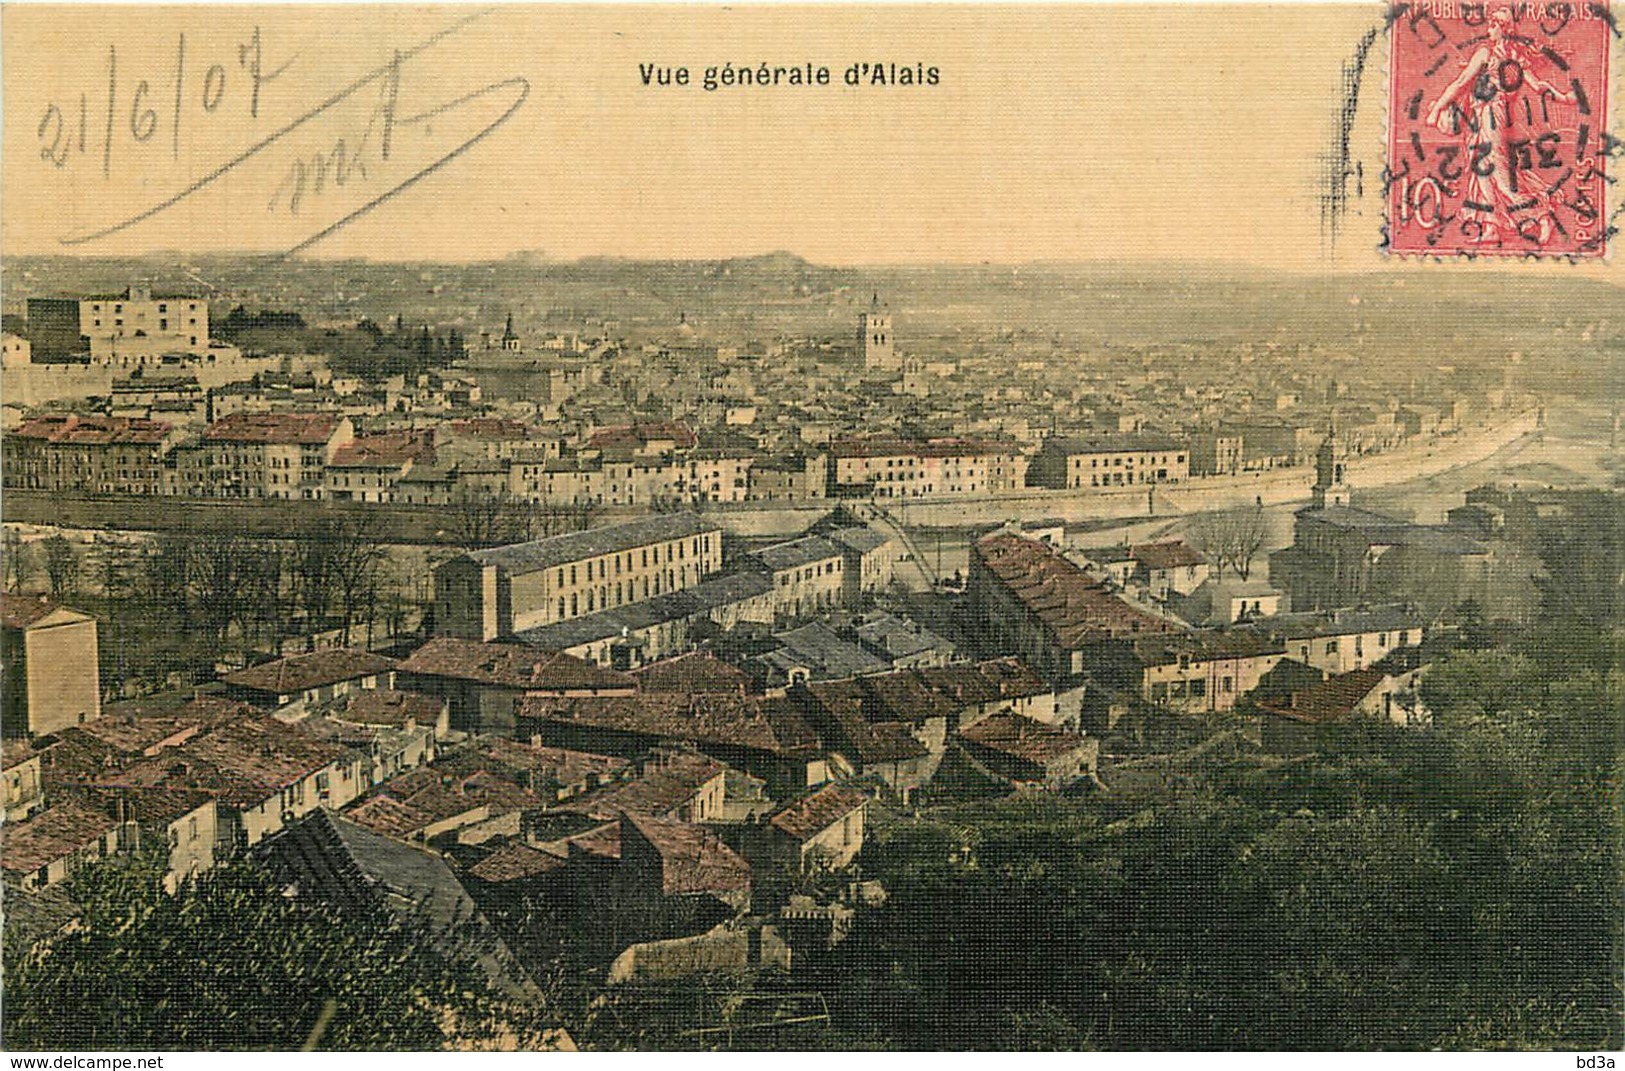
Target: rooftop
x=885 y=446
x=22 y=611
x=797 y=553
x=1173 y=554
x=310 y=429
x=1113 y=444
x=1024 y=738
x=52 y=834
x=75 y=430
x=740 y=721
x=693 y=673
x=386 y=706
x=520 y=558
x=692 y=858
x=1330 y=699
x=686 y=604
x=1076 y=609
x=515 y=862
x=1342 y=622
x=805 y=818
x=390 y=450
x=661 y=789
x=512 y=665
x=298 y=673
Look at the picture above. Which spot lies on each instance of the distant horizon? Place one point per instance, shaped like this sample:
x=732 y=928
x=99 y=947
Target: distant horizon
x=1455 y=266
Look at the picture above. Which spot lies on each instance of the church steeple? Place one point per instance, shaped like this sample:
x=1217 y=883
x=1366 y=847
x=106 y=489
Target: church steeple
x=1331 y=471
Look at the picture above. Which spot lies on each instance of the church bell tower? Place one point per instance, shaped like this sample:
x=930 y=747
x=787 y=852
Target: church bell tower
x=1331 y=472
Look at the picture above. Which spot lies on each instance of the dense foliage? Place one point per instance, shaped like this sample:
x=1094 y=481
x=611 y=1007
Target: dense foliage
x=1456 y=888
x=231 y=963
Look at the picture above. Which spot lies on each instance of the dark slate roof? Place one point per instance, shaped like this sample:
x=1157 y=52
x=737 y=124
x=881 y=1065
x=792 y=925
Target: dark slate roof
x=1342 y=622
x=861 y=539
x=520 y=558
x=688 y=603
x=797 y=552
x=817 y=647
x=1380 y=528
x=353 y=868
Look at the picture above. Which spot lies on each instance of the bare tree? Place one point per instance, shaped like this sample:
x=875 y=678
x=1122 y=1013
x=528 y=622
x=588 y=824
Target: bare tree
x=19 y=561
x=1232 y=538
x=357 y=557
x=477 y=517
x=61 y=565
x=114 y=567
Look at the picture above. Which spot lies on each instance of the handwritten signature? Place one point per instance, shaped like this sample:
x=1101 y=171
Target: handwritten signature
x=349 y=157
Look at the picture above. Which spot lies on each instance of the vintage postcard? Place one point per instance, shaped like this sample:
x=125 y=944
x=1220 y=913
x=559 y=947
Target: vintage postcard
x=838 y=527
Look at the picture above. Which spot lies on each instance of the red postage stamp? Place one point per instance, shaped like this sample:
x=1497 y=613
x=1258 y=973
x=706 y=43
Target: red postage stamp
x=1498 y=128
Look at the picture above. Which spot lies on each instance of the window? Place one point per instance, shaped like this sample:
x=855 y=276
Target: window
x=1331 y=646
x=1198 y=688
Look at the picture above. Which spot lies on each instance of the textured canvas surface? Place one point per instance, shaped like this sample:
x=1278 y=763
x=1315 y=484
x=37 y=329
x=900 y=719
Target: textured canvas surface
x=836 y=527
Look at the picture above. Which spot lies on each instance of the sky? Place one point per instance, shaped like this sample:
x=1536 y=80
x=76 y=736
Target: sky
x=1051 y=133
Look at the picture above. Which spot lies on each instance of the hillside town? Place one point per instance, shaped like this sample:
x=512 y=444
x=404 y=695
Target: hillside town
x=655 y=627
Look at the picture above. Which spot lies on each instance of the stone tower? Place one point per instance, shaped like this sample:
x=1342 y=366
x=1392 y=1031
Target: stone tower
x=875 y=338
x=1331 y=472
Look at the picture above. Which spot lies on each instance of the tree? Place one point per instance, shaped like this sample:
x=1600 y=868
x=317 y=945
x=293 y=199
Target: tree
x=19 y=561
x=229 y=963
x=357 y=557
x=61 y=565
x=1232 y=538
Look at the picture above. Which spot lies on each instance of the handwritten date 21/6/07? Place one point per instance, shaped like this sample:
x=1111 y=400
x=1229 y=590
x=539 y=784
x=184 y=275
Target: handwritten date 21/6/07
x=135 y=109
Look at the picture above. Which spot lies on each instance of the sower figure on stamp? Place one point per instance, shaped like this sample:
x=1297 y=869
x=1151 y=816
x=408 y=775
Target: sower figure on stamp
x=1498 y=105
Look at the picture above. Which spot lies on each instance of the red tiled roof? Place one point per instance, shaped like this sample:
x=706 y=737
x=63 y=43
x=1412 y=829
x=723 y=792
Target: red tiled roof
x=140 y=726
x=264 y=751
x=513 y=665
x=21 y=611
x=52 y=834
x=698 y=671
x=1077 y=609
x=491 y=428
x=386 y=706
x=1173 y=554
x=1333 y=698
x=547 y=767
x=812 y=814
x=635 y=435
x=387 y=815
x=78 y=430
x=14 y=751
x=515 y=862
x=742 y=721
x=1024 y=738
x=296 y=673
x=604 y=842
x=986 y=682
x=146 y=806
x=661 y=789
x=295 y=428
x=692 y=858
x=386 y=451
